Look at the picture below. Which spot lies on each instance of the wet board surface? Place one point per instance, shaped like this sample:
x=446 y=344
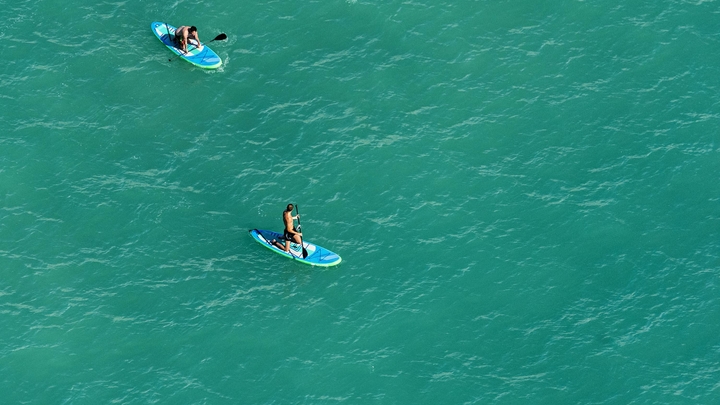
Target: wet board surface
x=317 y=255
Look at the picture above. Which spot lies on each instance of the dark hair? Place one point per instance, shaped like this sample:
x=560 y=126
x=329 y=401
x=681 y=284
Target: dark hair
x=193 y=29
x=290 y=207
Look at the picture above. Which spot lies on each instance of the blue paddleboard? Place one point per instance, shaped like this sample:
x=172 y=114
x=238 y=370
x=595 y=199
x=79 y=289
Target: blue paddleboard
x=317 y=256
x=203 y=57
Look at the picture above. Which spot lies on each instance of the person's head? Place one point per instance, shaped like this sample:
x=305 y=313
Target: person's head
x=192 y=29
x=289 y=208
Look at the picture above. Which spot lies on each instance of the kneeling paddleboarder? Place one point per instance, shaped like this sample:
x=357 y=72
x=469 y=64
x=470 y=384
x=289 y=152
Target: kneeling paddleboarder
x=183 y=33
x=290 y=234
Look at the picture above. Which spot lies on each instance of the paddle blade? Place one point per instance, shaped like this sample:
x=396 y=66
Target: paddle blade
x=305 y=253
x=220 y=37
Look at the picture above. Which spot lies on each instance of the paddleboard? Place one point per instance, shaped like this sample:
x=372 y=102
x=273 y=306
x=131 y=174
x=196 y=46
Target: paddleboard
x=203 y=57
x=317 y=256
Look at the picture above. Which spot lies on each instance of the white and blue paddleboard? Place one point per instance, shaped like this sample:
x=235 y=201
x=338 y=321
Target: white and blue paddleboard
x=203 y=57
x=316 y=255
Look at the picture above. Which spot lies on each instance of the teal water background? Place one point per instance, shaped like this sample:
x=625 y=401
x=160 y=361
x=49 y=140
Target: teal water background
x=525 y=195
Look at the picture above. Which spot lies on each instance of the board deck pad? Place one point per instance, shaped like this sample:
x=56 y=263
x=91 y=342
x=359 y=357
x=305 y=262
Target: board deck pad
x=317 y=255
x=204 y=58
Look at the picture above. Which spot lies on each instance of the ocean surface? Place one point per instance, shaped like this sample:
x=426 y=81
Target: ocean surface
x=525 y=196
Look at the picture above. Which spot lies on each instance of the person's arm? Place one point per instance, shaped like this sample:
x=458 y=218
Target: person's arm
x=184 y=40
x=199 y=45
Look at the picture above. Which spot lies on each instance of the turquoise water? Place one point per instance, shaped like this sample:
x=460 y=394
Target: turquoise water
x=524 y=194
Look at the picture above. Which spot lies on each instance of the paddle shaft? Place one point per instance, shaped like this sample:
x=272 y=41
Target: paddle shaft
x=304 y=251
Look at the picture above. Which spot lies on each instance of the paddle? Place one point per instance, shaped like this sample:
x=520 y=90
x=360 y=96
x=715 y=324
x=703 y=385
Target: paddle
x=304 y=251
x=220 y=37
